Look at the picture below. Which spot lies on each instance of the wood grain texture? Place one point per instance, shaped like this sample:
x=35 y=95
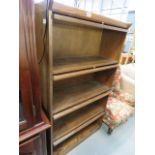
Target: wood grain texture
x=28 y=67
x=105 y=77
x=32 y=138
x=65 y=44
x=35 y=145
x=24 y=70
x=79 y=106
x=36 y=129
x=70 y=143
x=50 y=76
x=60 y=140
x=74 y=12
x=80 y=22
x=71 y=95
x=39 y=27
x=45 y=60
x=83 y=72
x=71 y=64
x=41 y=50
x=112 y=44
x=76 y=21
x=81 y=59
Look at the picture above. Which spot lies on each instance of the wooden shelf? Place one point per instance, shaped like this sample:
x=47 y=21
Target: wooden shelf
x=78 y=106
x=65 y=97
x=73 y=141
x=65 y=65
x=71 y=67
x=71 y=124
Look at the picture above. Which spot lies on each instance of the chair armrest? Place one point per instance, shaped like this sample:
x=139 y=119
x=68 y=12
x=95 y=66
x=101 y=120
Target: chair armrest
x=127 y=84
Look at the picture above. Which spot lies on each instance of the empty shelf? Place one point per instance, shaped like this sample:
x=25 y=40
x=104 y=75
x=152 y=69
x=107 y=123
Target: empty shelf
x=69 y=96
x=70 y=67
x=78 y=106
x=63 y=65
x=71 y=124
x=73 y=141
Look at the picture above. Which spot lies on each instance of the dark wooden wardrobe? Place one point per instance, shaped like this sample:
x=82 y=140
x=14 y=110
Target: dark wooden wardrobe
x=33 y=122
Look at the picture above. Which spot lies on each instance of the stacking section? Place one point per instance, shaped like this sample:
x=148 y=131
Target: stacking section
x=77 y=71
x=74 y=122
x=76 y=139
x=70 y=97
x=74 y=66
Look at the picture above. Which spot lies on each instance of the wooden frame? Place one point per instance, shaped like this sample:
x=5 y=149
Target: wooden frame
x=81 y=58
x=34 y=123
x=63 y=18
x=74 y=12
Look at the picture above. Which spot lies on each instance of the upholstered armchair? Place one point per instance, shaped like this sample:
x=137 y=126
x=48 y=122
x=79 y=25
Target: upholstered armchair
x=121 y=102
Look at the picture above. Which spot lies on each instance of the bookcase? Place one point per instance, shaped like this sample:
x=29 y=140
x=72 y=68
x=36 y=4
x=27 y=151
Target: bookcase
x=77 y=69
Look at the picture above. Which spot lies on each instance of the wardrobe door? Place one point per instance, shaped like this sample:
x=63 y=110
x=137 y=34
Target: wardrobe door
x=29 y=91
x=25 y=113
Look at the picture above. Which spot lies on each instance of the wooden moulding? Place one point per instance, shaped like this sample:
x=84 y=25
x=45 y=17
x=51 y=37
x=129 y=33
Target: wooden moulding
x=73 y=141
x=82 y=72
x=45 y=124
x=72 y=20
x=60 y=140
x=76 y=21
x=83 y=104
x=114 y=28
x=72 y=64
x=69 y=125
x=74 y=12
x=68 y=96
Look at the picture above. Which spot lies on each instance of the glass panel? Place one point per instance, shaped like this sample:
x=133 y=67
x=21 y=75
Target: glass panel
x=21 y=115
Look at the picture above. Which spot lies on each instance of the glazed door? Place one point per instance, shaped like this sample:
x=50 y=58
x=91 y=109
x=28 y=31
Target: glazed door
x=34 y=146
x=29 y=91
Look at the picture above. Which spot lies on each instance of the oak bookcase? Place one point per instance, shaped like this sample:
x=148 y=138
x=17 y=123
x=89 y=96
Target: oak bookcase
x=79 y=59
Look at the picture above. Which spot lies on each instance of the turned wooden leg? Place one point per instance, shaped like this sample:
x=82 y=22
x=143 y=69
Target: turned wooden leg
x=109 y=131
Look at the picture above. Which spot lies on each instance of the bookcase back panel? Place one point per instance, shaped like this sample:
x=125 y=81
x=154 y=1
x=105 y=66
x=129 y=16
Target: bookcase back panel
x=112 y=44
x=71 y=81
x=75 y=41
x=105 y=77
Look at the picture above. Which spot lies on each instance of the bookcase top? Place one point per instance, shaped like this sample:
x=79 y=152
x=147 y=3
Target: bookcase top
x=81 y=14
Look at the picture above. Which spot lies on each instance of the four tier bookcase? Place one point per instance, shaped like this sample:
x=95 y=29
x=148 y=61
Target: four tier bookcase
x=82 y=54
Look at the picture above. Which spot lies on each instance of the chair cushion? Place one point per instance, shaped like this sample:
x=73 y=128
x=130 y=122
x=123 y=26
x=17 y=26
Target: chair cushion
x=116 y=112
x=124 y=97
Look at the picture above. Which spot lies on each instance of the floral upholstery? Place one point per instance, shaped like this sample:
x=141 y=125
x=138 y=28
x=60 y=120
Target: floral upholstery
x=117 y=79
x=125 y=97
x=120 y=104
x=118 y=93
x=117 y=112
